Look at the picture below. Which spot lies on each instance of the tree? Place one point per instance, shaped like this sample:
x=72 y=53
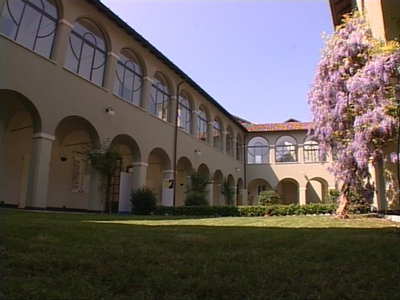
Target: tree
x=197 y=190
x=228 y=191
x=105 y=161
x=353 y=101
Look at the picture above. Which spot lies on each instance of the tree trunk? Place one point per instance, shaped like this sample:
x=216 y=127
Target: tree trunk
x=341 y=211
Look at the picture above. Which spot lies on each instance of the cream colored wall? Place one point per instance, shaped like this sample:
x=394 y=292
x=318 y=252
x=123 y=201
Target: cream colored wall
x=58 y=93
x=382 y=16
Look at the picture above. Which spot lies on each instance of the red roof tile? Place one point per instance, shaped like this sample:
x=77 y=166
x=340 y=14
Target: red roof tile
x=289 y=126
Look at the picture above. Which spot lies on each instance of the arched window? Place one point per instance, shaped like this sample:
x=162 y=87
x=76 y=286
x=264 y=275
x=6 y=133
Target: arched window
x=128 y=78
x=217 y=141
x=311 y=151
x=202 y=125
x=239 y=147
x=258 y=151
x=286 y=149
x=229 y=141
x=86 y=54
x=184 y=113
x=31 y=23
x=160 y=98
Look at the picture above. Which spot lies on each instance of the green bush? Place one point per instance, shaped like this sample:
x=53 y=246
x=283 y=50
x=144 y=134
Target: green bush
x=143 y=201
x=269 y=197
x=247 y=211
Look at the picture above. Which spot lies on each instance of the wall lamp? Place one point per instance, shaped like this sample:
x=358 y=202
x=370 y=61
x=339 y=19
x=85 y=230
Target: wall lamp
x=237 y=169
x=197 y=151
x=110 y=111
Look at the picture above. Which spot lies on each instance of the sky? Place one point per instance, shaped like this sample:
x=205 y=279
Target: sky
x=257 y=58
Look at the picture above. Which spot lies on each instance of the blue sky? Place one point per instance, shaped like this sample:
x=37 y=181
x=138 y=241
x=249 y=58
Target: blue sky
x=256 y=58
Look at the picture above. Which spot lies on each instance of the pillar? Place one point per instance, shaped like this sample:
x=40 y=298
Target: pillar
x=167 y=198
x=2 y=160
x=61 y=43
x=194 y=123
x=243 y=193
x=147 y=83
x=139 y=174
x=223 y=141
x=234 y=148
x=173 y=110
x=39 y=170
x=302 y=196
x=210 y=133
x=109 y=76
x=380 y=185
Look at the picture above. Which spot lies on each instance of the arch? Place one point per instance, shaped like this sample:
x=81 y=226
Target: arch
x=31 y=23
x=286 y=149
x=288 y=188
x=185 y=112
x=258 y=150
x=87 y=51
x=160 y=97
x=316 y=190
x=184 y=169
x=202 y=123
x=19 y=121
x=128 y=83
x=217 y=133
x=159 y=169
x=130 y=151
x=255 y=187
x=73 y=183
x=204 y=170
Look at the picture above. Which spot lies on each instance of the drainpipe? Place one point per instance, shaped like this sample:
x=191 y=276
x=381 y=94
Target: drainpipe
x=176 y=139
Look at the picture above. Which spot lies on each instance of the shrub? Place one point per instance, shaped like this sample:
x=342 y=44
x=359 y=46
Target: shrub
x=269 y=197
x=143 y=201
x=197 y=191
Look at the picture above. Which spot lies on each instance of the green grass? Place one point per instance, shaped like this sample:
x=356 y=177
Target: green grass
x=85 y=256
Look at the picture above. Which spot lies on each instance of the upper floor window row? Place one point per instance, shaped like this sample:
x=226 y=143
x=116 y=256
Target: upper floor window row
x=32 y=23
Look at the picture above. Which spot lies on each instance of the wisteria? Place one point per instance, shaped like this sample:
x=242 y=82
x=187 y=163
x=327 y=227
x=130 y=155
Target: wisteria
x=353 y=99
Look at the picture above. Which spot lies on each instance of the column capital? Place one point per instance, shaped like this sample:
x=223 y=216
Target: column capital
x=42 y=135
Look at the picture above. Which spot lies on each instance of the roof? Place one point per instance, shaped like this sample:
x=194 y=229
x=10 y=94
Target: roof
x=146 y=44
x=269 y=127
x=340 y=8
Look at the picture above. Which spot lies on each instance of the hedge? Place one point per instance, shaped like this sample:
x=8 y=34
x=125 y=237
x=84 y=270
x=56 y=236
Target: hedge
x=255 y=211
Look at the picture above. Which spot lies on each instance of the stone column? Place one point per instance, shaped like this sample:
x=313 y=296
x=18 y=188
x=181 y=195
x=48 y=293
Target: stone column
x=243 y=193
x=223 y=141
x=172 y=110
x=139 y=174
x=234 y=145
x=302 y=196
x=194 y=123
x=61 y=43
x=147 y=82
x=380 y=185
x=109 y=76
x=39 y=170
x=210 y=133
x=168 y=188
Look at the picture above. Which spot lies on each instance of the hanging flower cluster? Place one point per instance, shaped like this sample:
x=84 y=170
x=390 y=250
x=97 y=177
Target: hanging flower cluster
x=353 y=98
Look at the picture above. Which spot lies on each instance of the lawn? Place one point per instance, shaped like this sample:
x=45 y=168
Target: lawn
x=89 y=256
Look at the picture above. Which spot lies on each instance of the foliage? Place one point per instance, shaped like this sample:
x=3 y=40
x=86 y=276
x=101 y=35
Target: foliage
x=353 y=99
x=253 y=211
x=228 y=192
x=269 y=197
x=197 y=190
x=143 y=201
x=105 y=161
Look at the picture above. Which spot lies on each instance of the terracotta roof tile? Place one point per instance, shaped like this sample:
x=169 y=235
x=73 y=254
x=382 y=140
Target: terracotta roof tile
x=289 y=126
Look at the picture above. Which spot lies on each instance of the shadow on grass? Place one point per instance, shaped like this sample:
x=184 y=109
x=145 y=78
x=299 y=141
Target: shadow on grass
x=64 y=256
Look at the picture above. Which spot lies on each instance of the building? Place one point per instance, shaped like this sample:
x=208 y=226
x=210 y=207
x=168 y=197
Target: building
x=383 y=17
x=76 y=77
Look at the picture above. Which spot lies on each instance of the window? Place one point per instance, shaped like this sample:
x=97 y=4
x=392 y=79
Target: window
x=217 y=134
x=239 y=146
x=202 y=124
x=31 y=23
x=311 y=151
x=184 y=113
x=286 y=149
x=160 y=98
x=128 y=78
x=258 y=151
x=86 y=54
x=229 y=142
